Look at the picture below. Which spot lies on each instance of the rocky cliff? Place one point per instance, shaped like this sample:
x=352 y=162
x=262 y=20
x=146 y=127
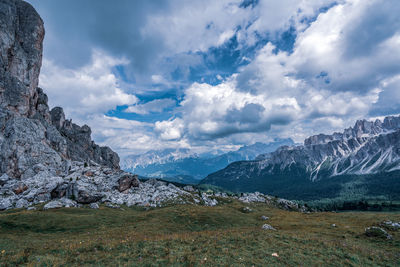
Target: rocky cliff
x=30 y=134
x=39 y=148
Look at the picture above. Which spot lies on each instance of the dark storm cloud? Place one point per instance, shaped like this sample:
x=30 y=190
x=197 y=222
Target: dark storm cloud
x=74 y=28
x=380 y=22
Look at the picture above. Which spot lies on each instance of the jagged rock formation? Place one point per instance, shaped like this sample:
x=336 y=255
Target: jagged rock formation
x=37 y=146
x=368 y=148
x=29 y=133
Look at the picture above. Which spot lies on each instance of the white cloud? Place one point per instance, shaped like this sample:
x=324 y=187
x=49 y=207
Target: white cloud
x=91 y=89
x=197 y=25
x=129 y=136
x=316 y=85
x=170 y=129
x=344 y=66
x=158 y=105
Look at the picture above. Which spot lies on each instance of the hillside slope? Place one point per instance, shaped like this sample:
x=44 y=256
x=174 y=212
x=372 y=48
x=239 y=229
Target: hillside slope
x=369 y=151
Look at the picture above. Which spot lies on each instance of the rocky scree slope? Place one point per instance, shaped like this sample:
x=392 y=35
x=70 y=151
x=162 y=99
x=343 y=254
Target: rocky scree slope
x=368 y=148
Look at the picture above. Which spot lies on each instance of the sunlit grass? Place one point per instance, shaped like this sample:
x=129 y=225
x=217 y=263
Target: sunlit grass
x=186 y=235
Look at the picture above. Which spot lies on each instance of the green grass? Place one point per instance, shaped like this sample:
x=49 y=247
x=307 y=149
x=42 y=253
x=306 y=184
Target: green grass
x=184 y=235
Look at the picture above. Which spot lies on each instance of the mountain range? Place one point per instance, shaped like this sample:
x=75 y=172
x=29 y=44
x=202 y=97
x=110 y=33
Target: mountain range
x=182 y=165
x=361 y=159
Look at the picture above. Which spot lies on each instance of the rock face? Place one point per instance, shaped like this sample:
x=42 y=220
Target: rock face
x=37 y=146
x=79 y=145
x=31 y=135
x=21 y=37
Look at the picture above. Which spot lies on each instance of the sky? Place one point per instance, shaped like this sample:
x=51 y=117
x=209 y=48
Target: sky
x=214 y=75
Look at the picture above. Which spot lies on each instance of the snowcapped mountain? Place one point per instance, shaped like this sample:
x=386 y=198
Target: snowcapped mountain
x=156 y=157
x=182 y=165
x=368 y=148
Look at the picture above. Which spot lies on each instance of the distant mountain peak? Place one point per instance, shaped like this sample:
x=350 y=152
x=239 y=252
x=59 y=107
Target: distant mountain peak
x=175 y=163
x=362 y=128
x=369 y=147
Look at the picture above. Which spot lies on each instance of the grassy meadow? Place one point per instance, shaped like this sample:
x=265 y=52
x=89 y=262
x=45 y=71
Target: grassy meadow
x=187 y=235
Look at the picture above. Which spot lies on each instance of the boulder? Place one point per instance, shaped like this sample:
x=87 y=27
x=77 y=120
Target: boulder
x=268 y=227
x=188 y=188
x=208 y=201
x=60 y=203
x=87 y=197
x=5 y=203
x=4 y=179
x=55 y=204
x=113 y=206
x=374 y=231
x=393 y=226
x=94 y=206
x=252 y=197
x=264 y=218
x=60 y=191
x=21 y=203
x=246 y=210
x=20 y=188
x=127 y=181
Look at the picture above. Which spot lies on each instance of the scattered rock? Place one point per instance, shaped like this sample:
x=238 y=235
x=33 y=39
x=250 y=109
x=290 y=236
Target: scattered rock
x=246 y=210
x=268 y=227
x=393 y=226
x=374 y=231
x=333 y=225
x=89 y=173
x=5 y=204
x=189 y=188
x=31 y=208
x=94 y=205
x=288 y=205
x=252 y=197
x=4 y=179
x=60 y=203
x=21 y=203
x=208 y=201
x=20 y=188
x=113 y=206
x=55 y=204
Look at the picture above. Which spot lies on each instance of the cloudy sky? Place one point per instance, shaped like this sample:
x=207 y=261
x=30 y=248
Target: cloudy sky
x=213 y=75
